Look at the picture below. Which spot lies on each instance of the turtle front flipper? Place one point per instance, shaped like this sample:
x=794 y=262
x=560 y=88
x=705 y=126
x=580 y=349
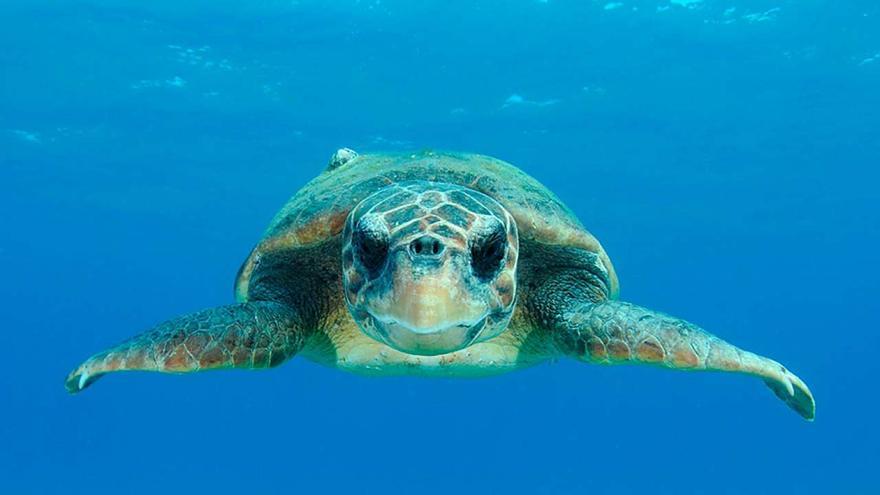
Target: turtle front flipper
x=250 y=335
x=614 y=332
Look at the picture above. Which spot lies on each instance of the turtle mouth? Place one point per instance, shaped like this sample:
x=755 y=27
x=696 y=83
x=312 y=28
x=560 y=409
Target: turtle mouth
x=428 y=341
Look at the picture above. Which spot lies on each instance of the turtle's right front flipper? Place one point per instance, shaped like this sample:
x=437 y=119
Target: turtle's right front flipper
x=250 y=335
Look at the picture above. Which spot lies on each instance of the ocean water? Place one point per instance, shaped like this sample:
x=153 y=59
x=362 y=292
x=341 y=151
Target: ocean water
x=726 y=154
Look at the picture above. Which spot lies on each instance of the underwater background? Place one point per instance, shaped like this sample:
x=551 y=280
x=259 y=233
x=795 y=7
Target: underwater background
x=726 y=154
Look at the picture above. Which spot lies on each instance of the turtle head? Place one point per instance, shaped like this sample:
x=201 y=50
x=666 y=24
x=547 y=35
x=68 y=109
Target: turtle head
x=430 y=268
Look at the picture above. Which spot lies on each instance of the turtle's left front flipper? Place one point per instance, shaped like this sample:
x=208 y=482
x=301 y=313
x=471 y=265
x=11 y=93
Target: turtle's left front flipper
x=613 y=332
x=250 y=335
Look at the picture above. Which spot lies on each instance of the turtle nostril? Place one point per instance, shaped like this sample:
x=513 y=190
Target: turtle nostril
x=426 y=246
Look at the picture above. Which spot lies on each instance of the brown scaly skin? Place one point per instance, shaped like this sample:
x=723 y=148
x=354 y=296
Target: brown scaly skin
x=569 y=299
x=258 y=334
x=291 y=299
x=252 y=336
x=615 y=332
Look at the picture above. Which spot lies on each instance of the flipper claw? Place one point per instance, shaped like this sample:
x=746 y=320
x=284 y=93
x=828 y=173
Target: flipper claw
x=794 y=392
x=79 y=379
x=787 y=382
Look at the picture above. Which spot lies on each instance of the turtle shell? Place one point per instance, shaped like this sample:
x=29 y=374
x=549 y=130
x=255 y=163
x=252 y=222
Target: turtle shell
x=318 y=211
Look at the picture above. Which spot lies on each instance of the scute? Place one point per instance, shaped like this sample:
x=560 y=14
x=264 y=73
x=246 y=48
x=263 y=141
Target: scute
x=318 y=211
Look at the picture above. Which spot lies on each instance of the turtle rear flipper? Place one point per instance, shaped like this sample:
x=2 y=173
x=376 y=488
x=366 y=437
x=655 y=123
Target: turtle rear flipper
x=250 y=335
x=614 y=332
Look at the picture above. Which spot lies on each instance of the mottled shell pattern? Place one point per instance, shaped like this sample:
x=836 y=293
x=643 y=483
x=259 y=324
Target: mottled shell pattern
x=318 y=212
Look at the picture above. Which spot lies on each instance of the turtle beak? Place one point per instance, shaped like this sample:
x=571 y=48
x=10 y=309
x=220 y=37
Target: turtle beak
x=428 y=310
x=431 y=341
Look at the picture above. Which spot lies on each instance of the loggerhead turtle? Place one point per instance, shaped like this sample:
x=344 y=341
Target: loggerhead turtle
x=436 y=264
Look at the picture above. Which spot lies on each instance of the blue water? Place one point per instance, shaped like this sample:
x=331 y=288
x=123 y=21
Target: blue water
x=726 y=153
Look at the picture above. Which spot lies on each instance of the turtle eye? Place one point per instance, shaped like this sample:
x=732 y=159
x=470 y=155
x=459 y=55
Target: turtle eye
x=487 y=253
x=371 y=247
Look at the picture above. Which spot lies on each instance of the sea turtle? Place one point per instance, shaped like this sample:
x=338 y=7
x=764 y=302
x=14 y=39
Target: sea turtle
x=436 y=264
